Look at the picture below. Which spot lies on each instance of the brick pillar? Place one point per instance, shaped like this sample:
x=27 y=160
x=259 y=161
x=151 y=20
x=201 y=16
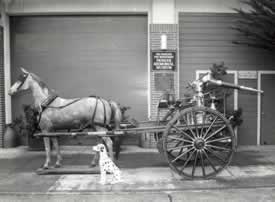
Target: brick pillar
x=171 y=31
x=2 y=88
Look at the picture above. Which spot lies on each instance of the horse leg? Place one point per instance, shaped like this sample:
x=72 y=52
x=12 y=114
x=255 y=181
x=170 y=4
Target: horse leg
x=109 y=143
x=117 y=143
x=95 y=159
x=48 y=152
x=58 y=153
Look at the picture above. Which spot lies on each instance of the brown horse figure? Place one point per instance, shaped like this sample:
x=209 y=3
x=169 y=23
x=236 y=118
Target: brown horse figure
x=56 y=113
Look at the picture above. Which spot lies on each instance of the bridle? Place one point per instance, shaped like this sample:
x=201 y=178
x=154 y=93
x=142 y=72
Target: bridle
x=22 y=78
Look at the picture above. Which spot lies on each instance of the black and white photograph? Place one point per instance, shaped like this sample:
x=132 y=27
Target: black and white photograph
x=137 y=100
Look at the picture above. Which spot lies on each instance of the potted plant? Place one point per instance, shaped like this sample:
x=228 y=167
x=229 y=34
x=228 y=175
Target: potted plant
x=31 y=126
x=10 y=136
x=26 y=125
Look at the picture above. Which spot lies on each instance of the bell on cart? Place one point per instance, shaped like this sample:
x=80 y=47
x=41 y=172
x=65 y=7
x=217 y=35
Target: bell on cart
x=213 y=99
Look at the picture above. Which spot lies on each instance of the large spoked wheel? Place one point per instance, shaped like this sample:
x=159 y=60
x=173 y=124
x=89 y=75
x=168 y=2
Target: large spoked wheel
x=159 y=135
x=198 y=142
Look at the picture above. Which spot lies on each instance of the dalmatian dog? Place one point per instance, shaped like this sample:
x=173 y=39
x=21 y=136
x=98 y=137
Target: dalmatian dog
x=107 y=165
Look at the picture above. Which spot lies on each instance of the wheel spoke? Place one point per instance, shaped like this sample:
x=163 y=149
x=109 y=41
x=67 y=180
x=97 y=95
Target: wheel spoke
x=218 y=147
x=210 y=162
x=195 y=122
x=189 y=128
x=216 y=155
x=218 y=140
x=208 y=129
x=180 y=139
x=194 y=165
x=216 y=132
x=176 y=138
x=179 y=147
x=203 y=123
x=181 y=131
x=202 y=164
x=188 y=159
x=182 y=154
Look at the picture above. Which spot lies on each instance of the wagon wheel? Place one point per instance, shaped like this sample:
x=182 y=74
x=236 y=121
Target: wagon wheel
x=198 y=142
x=159 y=135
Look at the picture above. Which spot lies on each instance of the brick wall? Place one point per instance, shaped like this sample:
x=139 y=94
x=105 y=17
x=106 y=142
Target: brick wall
x=156 y=30
x=2 y=89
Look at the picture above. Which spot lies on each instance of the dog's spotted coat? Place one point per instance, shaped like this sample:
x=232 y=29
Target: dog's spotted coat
x=106 y=165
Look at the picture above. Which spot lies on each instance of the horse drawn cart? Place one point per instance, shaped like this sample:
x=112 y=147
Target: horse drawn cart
x=197 y=141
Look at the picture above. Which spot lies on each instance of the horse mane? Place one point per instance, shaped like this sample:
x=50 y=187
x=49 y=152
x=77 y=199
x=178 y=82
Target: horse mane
x=41 y=83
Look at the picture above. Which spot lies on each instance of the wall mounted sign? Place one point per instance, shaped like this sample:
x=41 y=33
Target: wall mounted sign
x=247 y=74
x=164 y=60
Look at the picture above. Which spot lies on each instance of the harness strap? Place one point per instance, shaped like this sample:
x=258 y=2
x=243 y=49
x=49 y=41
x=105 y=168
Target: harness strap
x=66 y=105
x=48 y=101
x=94 y=113
x=45 y=104
x=104 y=109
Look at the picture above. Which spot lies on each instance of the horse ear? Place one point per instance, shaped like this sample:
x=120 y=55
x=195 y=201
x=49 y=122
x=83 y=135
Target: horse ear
x=23 y=70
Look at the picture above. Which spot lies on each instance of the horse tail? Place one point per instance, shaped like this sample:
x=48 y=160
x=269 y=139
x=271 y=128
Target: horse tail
x=116 y=118
x=116 y=114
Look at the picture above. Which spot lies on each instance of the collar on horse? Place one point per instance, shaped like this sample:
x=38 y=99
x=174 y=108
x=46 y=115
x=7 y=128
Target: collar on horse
x=44 y=105
x=48 y=101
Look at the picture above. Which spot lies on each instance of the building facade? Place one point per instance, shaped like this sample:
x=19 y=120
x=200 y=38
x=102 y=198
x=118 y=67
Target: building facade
x=132 y=51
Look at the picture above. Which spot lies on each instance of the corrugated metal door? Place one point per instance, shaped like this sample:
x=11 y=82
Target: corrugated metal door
x=84 y=55
x=205 y=39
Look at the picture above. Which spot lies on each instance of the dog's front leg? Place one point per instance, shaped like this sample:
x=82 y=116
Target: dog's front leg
x=102 y=176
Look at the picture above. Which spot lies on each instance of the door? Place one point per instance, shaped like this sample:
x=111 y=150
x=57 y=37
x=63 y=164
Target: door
x=78 y=56
x=268 y=109
x=247 y=131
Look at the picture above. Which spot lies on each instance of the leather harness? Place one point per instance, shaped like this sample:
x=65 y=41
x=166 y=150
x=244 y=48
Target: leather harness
x=46 y=104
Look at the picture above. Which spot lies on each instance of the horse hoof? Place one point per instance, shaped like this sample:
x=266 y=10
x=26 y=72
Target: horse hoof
x=92 y=165
x=45 y=167
x=57 y=165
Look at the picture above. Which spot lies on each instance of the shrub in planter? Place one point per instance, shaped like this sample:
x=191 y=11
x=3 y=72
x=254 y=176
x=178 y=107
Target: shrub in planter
x=27 y=125
x=31 y=126
x=10 y=137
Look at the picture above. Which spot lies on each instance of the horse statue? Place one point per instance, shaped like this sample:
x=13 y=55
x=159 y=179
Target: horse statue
x=56 y=113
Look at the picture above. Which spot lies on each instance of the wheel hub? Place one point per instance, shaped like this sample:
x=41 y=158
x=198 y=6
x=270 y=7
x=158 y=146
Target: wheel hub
x=199 y=143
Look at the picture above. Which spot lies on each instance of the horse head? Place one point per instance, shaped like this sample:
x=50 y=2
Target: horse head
x=22 y=83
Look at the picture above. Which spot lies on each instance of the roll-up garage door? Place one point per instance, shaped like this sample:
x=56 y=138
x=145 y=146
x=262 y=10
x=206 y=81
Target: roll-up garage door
x=80 y=56
x=206 y=39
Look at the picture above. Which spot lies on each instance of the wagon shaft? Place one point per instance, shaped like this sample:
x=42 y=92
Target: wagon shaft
x=129 y=131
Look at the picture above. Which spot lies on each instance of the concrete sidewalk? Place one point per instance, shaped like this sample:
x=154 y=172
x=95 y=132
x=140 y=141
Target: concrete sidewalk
x=144 y=170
